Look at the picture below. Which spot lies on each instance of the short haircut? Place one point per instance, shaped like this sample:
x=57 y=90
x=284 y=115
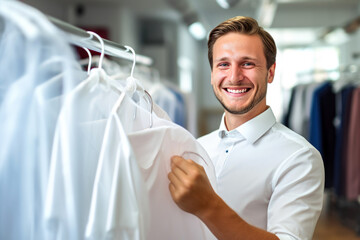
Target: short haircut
x=243 y=25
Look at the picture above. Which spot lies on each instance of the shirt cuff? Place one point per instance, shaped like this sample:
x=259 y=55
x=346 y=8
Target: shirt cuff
x=285 y=237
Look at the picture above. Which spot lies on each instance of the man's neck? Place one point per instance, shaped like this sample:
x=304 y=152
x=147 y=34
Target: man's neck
x=233 y=121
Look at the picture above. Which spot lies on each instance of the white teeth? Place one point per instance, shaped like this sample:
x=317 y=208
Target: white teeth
x=236 y=91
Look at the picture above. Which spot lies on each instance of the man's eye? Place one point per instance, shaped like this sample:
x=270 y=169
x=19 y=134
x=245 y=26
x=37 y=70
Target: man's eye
x=248 y=64
x=223 y=65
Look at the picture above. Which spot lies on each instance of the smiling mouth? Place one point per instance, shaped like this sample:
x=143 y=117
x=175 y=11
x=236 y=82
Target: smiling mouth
x=237 y=90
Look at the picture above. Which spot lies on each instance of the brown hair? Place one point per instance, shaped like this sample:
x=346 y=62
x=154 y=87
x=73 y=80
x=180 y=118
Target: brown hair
x=245 y=25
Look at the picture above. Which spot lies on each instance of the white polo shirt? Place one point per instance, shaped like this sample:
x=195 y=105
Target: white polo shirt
x=271 y=176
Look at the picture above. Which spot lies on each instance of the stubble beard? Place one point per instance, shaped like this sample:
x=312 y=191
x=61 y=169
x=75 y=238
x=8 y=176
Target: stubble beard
x=257 y=99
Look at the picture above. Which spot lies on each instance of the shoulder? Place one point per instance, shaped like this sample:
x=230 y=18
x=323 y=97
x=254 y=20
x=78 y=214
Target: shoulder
x=299 y=154
x=289 y=149
x=287 y=137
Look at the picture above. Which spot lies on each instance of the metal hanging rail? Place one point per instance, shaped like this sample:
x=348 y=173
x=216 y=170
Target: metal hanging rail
x=80 y=37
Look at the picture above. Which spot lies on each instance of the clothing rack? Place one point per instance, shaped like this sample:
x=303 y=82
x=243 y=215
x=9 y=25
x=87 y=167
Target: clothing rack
x=80 y=37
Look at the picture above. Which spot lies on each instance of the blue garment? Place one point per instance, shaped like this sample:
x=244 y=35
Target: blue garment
x=322 y=129
x=180 y=114
x=286 y=117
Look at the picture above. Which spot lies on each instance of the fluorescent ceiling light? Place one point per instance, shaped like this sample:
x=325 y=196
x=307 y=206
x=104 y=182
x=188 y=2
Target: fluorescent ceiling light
x=197 y=30
x=266 y=12
x=336 y=37
x=227 y=3
x=285 y=37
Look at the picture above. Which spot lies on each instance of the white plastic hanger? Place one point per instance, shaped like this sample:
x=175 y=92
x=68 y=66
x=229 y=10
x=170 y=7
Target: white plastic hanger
x=109 y=82
x=132 y=84
x=102 y=47
x=89 y=64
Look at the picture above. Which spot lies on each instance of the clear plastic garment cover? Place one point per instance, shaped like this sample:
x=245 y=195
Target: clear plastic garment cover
x=83 y=155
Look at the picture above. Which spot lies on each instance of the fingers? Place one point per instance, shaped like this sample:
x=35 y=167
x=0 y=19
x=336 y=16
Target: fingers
x=175 y=178
x=189 y=186
x=184 y=164
x=178 y=176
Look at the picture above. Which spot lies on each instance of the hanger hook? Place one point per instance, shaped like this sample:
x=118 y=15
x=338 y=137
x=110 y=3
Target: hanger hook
x=151 y=106
x=102 y=47
x=134 y=59
x=89 y=65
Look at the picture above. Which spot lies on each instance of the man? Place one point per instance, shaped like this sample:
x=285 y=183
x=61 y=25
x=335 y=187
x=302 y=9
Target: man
x=269 y=179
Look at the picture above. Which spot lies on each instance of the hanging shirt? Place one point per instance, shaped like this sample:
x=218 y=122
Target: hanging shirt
x=28 y=40
x=153 y=150
x=46 y=106
x=153 y=140
x=352 y=160
x=76 y=151
x=169 y=102
x=343 y=105
x=119 y=204
x=322 y=129
x=272 y=177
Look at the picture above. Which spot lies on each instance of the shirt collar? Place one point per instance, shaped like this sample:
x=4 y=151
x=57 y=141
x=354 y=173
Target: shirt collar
x=253 y=129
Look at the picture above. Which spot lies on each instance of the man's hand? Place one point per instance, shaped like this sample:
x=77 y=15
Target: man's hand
x=192 y=192
x=189 y=186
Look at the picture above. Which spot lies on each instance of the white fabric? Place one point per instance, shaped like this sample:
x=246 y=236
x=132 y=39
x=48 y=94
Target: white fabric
x=119 y=205
x=76 y=150
x=46 y=106
x=28 y=40
x=297 y=116
x=272 y=177
x=153 y=148
x=53 y=141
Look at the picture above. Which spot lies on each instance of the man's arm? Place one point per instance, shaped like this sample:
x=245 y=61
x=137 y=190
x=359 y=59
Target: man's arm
x=192 y=192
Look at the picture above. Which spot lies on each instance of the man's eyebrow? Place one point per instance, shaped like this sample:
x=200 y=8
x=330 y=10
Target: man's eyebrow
x=249 y=58
x=226 y=59
x=221 y=59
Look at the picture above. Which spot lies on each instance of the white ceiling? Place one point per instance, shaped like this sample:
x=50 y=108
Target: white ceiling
x=289 y=13
x=295 y=22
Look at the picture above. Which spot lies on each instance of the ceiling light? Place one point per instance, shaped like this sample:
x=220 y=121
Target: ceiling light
x=337 y=37
x=227 y=3
x=197 y=30
x=266 y=13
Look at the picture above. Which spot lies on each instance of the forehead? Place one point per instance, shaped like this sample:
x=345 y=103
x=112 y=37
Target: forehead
x=239 y=43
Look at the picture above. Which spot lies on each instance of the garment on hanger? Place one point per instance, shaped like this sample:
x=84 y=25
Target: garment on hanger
x=322 y=129
x=352 y=163
x=27 y=41
x=72 y=167
x=78 y=138
x=152 y=147
x=343 y=100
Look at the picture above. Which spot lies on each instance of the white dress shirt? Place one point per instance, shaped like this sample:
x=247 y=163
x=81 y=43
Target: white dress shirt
x=153 y=148
x=271 y=176
x=77 y=143
x=27 y=41
x=129 y=208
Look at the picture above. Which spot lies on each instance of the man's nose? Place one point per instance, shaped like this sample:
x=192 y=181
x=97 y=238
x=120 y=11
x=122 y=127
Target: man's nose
x=236 y=74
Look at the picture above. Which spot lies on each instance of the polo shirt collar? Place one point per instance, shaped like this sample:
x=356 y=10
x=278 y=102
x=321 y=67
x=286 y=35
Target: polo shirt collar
x=253 y=129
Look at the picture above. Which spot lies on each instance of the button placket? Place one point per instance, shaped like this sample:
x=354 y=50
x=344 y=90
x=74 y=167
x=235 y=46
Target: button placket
x=225 y=147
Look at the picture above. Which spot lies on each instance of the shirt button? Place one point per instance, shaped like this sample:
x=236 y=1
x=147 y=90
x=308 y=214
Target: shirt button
x=226 y=151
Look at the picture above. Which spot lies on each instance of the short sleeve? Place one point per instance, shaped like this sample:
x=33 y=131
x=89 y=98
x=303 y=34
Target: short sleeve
x=296 y=202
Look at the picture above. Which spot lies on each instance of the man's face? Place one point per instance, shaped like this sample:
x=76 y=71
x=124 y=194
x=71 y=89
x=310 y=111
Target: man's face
x=239 y=76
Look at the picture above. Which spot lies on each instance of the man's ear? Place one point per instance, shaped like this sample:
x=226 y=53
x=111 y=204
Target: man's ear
x=271 y=73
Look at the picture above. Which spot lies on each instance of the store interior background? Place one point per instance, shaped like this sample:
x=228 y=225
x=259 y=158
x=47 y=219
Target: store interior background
x=310 y=34
x=316 y=40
